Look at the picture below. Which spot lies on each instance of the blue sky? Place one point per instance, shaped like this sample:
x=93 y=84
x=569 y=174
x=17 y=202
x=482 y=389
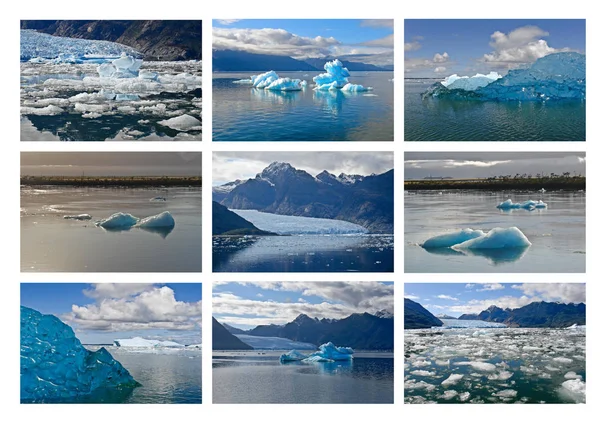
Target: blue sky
x=456 y=299
x=369 y=40
x=482 y=45
x=248 y=304
x=100 y=313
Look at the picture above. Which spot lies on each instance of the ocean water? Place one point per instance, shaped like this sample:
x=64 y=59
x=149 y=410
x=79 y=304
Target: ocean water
x=497 y=365
x=242 y=113
x=50 y=243
x=304 y=253
x=557 y=233
x=165 y=375
x=452 y=120
x=259 y=377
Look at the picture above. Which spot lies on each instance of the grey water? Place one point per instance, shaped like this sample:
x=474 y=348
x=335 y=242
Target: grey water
x=259 y=377
x=557 y=233
x=50 y=243
x=165 y=375
x=469 y=120
x=243 y=113
x=304 y=253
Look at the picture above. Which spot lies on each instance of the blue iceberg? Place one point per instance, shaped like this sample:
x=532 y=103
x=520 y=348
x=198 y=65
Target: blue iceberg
x=271 y=81
x=450 y=239
x=55 y=367
x=497 y=238
x=530 y=205
x=327 y=352
x=553 y=77
x=336 y=76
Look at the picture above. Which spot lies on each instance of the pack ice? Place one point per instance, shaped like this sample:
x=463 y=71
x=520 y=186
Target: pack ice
x=555 y=76
x=468 y=239
x=327 y=352
x=56 y=367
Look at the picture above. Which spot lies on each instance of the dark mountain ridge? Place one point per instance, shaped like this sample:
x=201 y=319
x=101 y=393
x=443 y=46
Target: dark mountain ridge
x=227 y=223
x=416 y=316
x=224 y=340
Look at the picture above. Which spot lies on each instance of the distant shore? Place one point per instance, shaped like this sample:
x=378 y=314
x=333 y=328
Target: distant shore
x=499 y=184
x=112 y=181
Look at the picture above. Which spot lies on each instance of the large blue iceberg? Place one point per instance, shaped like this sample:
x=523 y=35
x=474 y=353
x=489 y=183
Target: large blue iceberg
x=327 y=352
x=530 y=205
x=556 y=76
x=55 y=367
x=468 y=239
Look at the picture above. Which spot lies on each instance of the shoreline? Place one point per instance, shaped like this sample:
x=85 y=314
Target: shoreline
x=145 y=182
x=528 y=184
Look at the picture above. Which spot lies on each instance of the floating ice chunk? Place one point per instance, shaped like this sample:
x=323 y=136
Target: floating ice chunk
x=418 y=385
x=508 y=393
x=91 y=115
x=80 y=217
x=479 y=366
x=262 y=80
x=118 y=220
x=286 y=84
x=162 y=220
x=451 y=239
x=126 y=97
x=562 y=360
x=571 y=375
x=327 y=352
x=336 y=75
x=501 y=376
x=147 y=75
x=292 y=355
x=453 y=379
x=182 y=123
x=83 y=107
x=423 y=373
x=147 y=343
x=49 y=110
x=355 y=88
x=449 y=394
x=56 y=367
x=127 y=63
x=575 y=389
x=530 y=204
x=464 y=396
x=470 y=83
x=542 y=190
x=498 y=238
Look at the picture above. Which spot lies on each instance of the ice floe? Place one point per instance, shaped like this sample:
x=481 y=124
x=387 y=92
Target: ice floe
x=182 y=123
x=452 y=379
x=530 y=204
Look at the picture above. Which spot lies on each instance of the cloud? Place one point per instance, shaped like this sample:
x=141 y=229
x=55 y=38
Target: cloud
x=491 y=287
x=411 y=297
x=377 y=23
x=153 y=308
x=412 y=46
x=441 y=58
x=522 y=45
x=561 y=292
x=439 y=69
x=445 y=296
x=387 y=41
x=227 y=21
x=421 y=64
x=115 y=290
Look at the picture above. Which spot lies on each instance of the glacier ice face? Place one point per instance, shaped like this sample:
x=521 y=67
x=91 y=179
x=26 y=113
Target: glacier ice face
x=497 y=238
x=146 y=343
x=530 y=205
x=273 y=343
x=162 y=220
x=469 y=83
x=55 y=367
x=467 y=323
x=552 y=77
x=327 y=352
x=451 y=239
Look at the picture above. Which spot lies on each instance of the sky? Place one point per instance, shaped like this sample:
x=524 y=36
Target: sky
x=457 y=299
x=248 y=304
x=442 y=47
x=112 y=164
x=101 y=313
x=231 y=166
x=368 y=40
x=419 y=165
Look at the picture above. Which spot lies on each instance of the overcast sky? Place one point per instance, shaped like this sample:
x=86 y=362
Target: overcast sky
x=487 y=164
x=457 y=299
x=231 y=166
x=101 y=313
x=248 y=304
x=112 y=164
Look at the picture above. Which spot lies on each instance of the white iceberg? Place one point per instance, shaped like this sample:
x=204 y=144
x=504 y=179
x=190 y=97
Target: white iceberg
x=147 y=343
x=286 y=84
x=182 y=123
x=49 y=110
x=452 y=379
x=355 y=88
x=292 y=356
x=162 y=220
x=124 y=221
x=451 y=239
x=497 y=238
x=454 y=82
x=530 y=204
x=118 y=220
x=575 y=389
x=327 y=352
x=478 y=365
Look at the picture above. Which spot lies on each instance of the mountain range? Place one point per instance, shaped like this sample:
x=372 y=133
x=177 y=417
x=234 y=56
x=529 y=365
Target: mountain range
x=360 y=331
x=236 y=61
x=157 y=40
x=284 y=190
x=416 y=316
x=224 y=340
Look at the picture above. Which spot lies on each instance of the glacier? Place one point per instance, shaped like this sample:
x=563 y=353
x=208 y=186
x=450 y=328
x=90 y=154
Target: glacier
x=146 y=343
x=327 y=352
x=125 y=221
x=298 y=225
x=468 y=323
x=55 y=367
x=468 y=239
x=552 y=77
x=530 y=205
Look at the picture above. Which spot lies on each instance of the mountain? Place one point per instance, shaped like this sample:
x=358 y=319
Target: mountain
x=229 y=223
x=220 y=192
x=284 y=190
x=224 y=340
x=233 y=60
x=416 y=316
x=157 y=40
x=444 y=316
x=536 y=314
x=319 y=63
x=233 y=330
x=359 y=331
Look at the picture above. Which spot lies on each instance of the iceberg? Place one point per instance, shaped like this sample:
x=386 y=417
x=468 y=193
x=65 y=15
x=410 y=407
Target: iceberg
x=336 y=76
x=271 y=81
x=355 y=88
x=327 y=352
x=469 y=83
x=451 y=239
x=162 y=220
x=552 y=77
x=182 y=123
x=146 y=343
x=125 y=221
x=55 y=367
x=530 y=205
x=118 y=220
x=80 y=217
x=574 y=389
x=497 y=238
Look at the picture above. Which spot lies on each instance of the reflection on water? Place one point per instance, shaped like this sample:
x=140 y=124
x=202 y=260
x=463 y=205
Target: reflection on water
x=274 y=96
x=163 y=232
x=495 y=256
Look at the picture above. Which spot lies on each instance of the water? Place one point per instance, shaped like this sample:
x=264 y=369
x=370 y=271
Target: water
x=259 y=377
x=165 y=375
x=452 y=120
x=50 y=243
x=242 y=113
x=557 y=233
x=304 y=253
x=512 y=365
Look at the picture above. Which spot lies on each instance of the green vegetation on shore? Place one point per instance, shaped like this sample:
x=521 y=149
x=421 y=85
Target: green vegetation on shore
x=110 y=181
x=550 y=182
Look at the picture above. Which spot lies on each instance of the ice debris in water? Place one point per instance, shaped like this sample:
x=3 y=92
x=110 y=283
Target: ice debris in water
x=147 y=343
x=327 y=352
x=555 y=76
x=469 y=83
x=121 y=220
x=56 y=367
x=497 y=238
x=182 y=123
x=271 y=81
x=530 y=204
x=80 y=217
x=575 y=389
x=450 y=239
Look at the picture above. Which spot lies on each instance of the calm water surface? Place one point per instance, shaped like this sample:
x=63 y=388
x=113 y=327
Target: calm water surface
x=243 y=113
x=452 y=120
x=557 y=233
x=259 y=377
x=50 y=243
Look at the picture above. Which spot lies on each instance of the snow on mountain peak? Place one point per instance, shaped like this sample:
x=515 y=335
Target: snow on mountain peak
x=384 y=313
